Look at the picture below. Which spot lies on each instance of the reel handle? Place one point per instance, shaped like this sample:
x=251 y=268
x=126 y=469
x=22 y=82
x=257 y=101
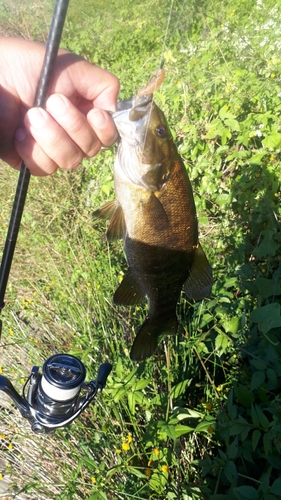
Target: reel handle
x=104 y=371
x=8 y=388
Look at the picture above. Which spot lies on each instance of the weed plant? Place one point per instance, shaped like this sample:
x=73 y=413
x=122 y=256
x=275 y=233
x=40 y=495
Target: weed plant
x=202 y=418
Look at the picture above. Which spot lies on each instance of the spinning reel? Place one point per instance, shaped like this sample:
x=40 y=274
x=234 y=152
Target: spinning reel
x=53 y=399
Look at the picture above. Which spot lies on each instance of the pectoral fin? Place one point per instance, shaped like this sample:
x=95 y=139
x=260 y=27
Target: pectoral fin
x=154 y=213
x=129 y=292
x=199 y=283
x=106 y=211
x=113 y=211
x=117 y=226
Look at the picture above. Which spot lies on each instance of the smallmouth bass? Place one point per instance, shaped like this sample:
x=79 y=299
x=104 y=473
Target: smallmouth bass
x=154 y=213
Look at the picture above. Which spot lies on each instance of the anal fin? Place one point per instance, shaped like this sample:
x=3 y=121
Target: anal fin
x=200 y=280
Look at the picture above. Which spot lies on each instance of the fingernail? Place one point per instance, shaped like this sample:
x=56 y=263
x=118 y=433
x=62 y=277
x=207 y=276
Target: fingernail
x=97 y=118
x=56 y=105
x=20 y=134
x=36 y=117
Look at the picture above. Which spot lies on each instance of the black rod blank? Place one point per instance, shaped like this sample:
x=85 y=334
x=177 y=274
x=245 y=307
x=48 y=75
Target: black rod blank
x=52 y=48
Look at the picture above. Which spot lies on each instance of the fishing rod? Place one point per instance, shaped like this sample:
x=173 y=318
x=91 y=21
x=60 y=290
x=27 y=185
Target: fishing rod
x=53 y=398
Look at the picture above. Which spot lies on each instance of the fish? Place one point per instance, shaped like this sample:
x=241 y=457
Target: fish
x=155 y=215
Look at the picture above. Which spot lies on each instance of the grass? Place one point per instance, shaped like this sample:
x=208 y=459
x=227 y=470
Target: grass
x=201 y=419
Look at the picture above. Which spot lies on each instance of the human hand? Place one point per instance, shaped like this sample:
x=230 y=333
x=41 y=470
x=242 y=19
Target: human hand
x=74 y=124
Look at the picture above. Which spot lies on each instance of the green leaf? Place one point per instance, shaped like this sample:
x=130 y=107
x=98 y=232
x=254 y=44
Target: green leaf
x=214 y=129
x=221 y=343
x=232 y=449
x=257 y=158
x=264 y=422
x=131 y=402
x=231 y=325
x=141 y=384
x=226 y=134
x=272 y=141
x=157 y=482
x=268 y=287
x=272 y=379
x=255 y=417
x=257 y=379
x=244 y=396
x=230 y=472
x=267 y=443
x=136 y=472
x=268 y=246
x=180 y=388
x=224 y=113
x=204 y=426
x=232 y=124
x=255 y=438
x=276 y=487
x=246 y=493
x=267 y=316
x=183 y=429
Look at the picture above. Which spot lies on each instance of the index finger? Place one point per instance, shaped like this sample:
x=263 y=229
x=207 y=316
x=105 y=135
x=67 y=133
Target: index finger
x=75 y=77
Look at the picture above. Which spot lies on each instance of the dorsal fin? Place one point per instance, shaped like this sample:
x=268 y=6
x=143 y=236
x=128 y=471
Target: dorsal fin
x=199 y=283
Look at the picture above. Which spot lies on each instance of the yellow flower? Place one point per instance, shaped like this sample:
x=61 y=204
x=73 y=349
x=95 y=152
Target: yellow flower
x=118 y=452
x=2 y=436
x=156 y=451
x=149 y=463
x=147 y=472
x=219 y=388
x=165 y=469
x=129 y=438
x=1 y=369
x=125 y=446
x=93 y=479
x=1 y=476
x=168 y=56
x=10 y=446
x=272 y=75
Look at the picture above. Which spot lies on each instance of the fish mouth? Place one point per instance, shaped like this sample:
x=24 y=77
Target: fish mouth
x=132 y=103
x=132 y=118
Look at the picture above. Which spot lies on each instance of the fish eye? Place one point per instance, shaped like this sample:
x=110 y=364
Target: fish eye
x=161 y=131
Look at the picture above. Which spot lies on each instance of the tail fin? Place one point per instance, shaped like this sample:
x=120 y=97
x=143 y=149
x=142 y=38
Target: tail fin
x=147 y=338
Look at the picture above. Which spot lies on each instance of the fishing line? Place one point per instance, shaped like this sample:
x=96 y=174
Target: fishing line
x=161 y=63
